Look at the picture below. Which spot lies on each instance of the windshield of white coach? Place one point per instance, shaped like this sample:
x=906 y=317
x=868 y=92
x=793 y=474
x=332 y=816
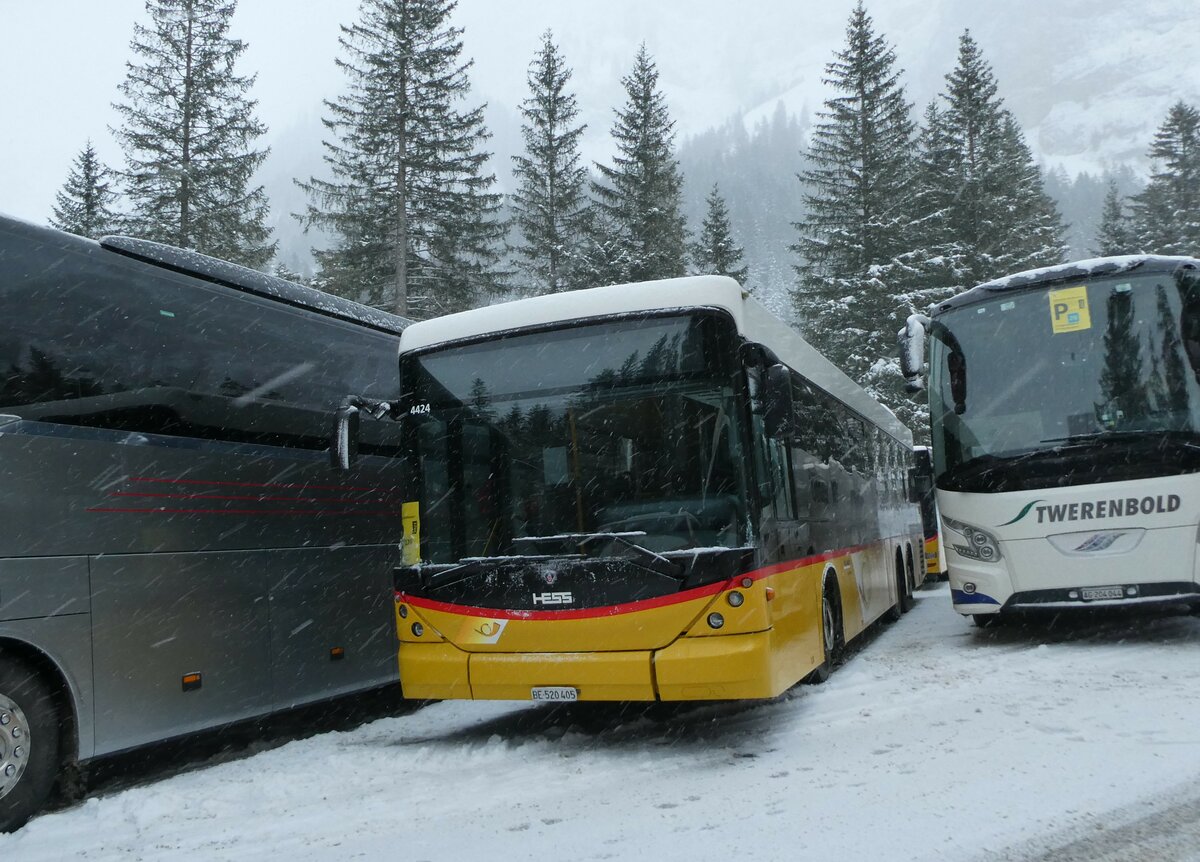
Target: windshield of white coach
x=1109 y=359
x=620 y=427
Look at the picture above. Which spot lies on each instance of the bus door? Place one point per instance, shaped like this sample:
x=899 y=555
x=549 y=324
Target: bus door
x=782 y=535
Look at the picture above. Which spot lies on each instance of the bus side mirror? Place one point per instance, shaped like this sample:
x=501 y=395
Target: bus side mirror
x=911 y=342
x=777 y=400
x=343 y=446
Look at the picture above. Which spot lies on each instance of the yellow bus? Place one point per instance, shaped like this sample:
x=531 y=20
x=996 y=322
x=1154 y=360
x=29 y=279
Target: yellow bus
x=923 y=479
x=653 y=491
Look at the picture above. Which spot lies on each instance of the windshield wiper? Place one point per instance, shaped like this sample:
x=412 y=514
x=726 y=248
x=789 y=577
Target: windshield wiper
x=655 y=562
x=963 y=476
x=1180 y=438
x=468 y=566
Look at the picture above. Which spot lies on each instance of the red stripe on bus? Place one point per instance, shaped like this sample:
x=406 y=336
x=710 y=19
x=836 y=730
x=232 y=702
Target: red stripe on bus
x=627 y=607
x=248 y=484
x=579 y=614
x=162 y=510
x=259 y=498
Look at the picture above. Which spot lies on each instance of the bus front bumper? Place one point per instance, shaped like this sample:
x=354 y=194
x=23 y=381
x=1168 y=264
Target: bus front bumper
x=724 y=667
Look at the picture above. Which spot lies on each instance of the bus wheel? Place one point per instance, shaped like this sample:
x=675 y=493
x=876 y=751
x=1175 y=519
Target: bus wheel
x=831 y=639
x=28 y=743
x=894 y=613
x=907 y=602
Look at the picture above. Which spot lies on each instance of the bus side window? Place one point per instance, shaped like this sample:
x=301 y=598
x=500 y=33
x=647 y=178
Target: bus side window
x=777 y=452
x=1189 y=320
x=811 y=489
x=133 y=348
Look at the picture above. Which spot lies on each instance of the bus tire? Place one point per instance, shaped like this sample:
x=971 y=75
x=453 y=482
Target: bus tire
x=29 y=743
x=831 y=638
x=897 y=610
x=907 y=602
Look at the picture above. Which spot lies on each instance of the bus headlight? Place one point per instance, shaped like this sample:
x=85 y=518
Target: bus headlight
x=980 y=545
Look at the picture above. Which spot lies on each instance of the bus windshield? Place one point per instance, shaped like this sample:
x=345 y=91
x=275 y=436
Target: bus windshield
x=610 y=434
x=1109 y=364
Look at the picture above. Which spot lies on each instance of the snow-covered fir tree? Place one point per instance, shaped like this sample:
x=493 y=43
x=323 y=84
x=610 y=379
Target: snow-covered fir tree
x=640 y=232
x=715 y=251
x=84 y=205
x=1114 y=235
x=410 y=201
x=1166 y=215
x=550 y=204
x=930 y=273
x=747 y=163
x=981 y=197
x=858 y=192
x=187 y=130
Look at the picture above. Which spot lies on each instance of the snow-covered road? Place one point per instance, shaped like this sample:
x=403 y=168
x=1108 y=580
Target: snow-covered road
x=934 y=741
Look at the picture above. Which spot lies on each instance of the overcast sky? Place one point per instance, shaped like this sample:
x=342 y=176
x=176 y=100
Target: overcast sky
x=62 y=60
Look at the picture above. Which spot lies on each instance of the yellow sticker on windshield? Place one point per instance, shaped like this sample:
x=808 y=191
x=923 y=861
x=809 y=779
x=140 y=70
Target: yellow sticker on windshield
x=1069 y=309
x=411 y=534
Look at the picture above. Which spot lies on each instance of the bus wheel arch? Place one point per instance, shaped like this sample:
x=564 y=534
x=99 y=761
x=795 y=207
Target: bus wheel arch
x=833 y=635
x=35 y=725
x=60 y=689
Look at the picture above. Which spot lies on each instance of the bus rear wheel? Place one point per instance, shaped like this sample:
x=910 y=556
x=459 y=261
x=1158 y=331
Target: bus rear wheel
x=28 y=743
x=907 y=600
x=831 y=638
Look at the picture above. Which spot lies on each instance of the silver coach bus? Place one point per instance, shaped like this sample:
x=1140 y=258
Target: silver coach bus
x=175 y=552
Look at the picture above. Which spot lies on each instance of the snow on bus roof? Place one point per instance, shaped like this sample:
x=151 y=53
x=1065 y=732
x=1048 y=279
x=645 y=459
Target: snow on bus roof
x=1088 y=268
x=753 y=322
x=666 y=294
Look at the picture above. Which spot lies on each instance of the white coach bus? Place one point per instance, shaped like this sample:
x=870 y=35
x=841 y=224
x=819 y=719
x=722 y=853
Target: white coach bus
x=1065 y=412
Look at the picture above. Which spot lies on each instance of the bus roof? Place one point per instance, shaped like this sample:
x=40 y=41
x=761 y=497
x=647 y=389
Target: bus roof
x=216 y=271
x=1079 y=269
x=252 y=281
x=753 y=322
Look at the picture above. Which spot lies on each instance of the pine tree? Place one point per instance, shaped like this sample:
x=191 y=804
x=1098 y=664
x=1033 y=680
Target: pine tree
x=1114 y=236
x=983 y=198
x=84 y=204
x=716 y=252
x=1036 y=228
x=187 y=132
x=550 y=203
x=931 y=273
x=747 y=161
x=858 y=192
x=1166 y=214
x=639 y=232
x=409 y=201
